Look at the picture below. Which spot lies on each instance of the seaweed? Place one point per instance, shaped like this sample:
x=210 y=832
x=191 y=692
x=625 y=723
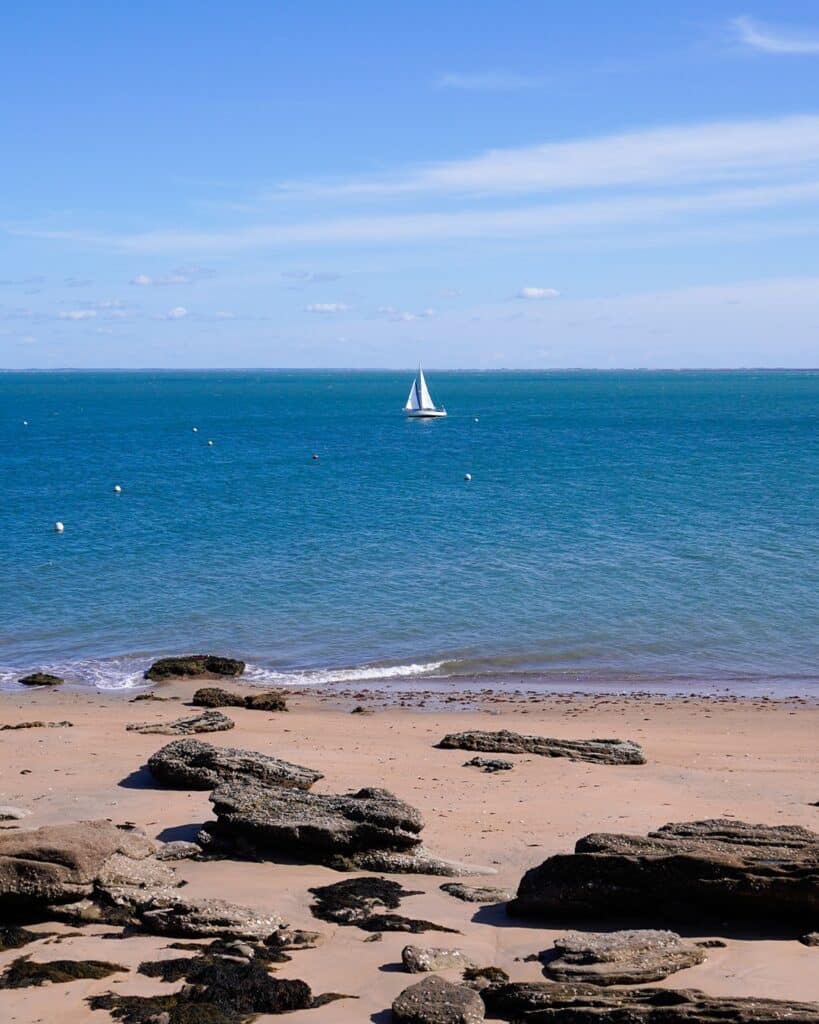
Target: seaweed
x=14 y=938
x=22 y=973
x=354 y=901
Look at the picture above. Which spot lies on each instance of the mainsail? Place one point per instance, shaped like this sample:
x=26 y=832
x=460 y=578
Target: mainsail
x=426 y=400
x=414 y=400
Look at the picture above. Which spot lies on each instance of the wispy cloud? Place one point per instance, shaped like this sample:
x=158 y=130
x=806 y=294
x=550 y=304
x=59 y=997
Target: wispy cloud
x=404 y=316
x=769 y=39
x=77 y=314
x=325 y=307
x=310 y=276
x=537 y=293
x=183 y=275
x=177 y=313
x=489 y=81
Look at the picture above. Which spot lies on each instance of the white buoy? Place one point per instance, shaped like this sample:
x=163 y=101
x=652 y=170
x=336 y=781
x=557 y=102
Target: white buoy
x=117 y=489
x=477 y=420
x=25 y=423
x=58 y=527
x=210 y=444
x=467 y=476
x=195 y=430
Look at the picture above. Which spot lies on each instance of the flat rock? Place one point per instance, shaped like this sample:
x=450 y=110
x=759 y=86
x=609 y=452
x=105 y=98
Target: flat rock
x=179 y=849
x=208 y=721
x=621 y=958
x=193 y=764
x=195 y=665
x=426 y=959
x=476 y=893
x=505 y=742
x=539 y=1002
x=36 y=725
x=8 y=813
x=41 y=679
x=183 y=917
x=435 y=1001
x=693 y=870
x=64 y=863
x=489 y=764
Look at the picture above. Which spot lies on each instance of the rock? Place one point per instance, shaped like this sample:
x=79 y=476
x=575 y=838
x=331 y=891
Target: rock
x=8 y=813
x=269 y=701
x=476 y=893
x=41 y=679
x=362 y=902
x=426 y=959
x=695 y=870
x=22 y=973
x=621 y=958
x=195 y=665
x=208 y=721
x=179 y=850
x=273 y=821
x=505 y=742
x=811 y=939
x=435 y=1001
x=539 y=1002
x=481 y=977
x=489 y=764
x=65 y=863
x=214 y=697
x=190 y=918
x=193 y=764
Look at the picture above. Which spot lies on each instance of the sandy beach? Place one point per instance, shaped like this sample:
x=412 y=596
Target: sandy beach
x=753 y=760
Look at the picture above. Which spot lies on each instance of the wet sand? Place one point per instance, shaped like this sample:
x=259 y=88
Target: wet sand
x=752 y=759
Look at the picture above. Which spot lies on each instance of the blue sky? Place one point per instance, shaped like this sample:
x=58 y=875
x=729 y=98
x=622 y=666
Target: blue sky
x=369 y=184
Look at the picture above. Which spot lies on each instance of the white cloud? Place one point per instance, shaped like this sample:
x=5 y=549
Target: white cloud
x=182 y=275
x=399 y=316
x=771 y=40
x=538 y=293
x=142 y=280
x=177 y=313
x=499 y=81
x=325 y=307
x=223 y=314
x=77 y=314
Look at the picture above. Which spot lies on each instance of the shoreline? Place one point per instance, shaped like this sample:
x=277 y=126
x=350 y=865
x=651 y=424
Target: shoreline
x=752 y=760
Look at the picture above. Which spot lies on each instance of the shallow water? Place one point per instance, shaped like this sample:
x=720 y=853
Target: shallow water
x=620 y=528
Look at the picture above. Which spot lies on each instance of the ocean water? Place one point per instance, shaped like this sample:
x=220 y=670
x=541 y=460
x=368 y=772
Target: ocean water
x=620 y=529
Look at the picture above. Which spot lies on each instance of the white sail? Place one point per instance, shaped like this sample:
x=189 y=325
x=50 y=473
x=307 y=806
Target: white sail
x=413 y=401
x=425 y=399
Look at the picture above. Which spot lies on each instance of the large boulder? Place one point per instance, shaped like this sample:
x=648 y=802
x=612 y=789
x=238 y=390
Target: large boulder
x=435 y=1001
x=370 y=829
x=694 y=870
x=216 y=697
x=195 y=665
x=505 y=742
x=41 y=679
x=620 y=958
x=539 y=1002
x=208 y=721
x=193 y=764
x=63 y=863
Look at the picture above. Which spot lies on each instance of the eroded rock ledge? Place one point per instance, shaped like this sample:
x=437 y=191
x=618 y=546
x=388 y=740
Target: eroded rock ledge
x=682 y=871
x=505 y=742
x=194 y=764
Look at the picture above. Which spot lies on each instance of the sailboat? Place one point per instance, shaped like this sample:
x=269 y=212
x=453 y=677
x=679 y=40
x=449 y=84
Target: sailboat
x=419 y=403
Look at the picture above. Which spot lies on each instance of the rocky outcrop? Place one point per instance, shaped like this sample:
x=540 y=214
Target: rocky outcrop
x=370 y=829
x=426 y=959
x=195 y=665
x=539 y=1002
x=63 y=863
x=620 y=958
x=694 y=870
x=185 y=917
x=366 y=903
x=476 y=893
x=435 y=1001
x=208 y=721
x=193 y=764
x=489 y=764
x=41 y=679
x=215 y=697
x=505 y=742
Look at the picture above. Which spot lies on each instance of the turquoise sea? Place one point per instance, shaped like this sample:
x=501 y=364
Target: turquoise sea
x=627 y=529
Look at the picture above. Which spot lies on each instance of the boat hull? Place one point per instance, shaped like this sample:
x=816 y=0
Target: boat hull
x=424 y=414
